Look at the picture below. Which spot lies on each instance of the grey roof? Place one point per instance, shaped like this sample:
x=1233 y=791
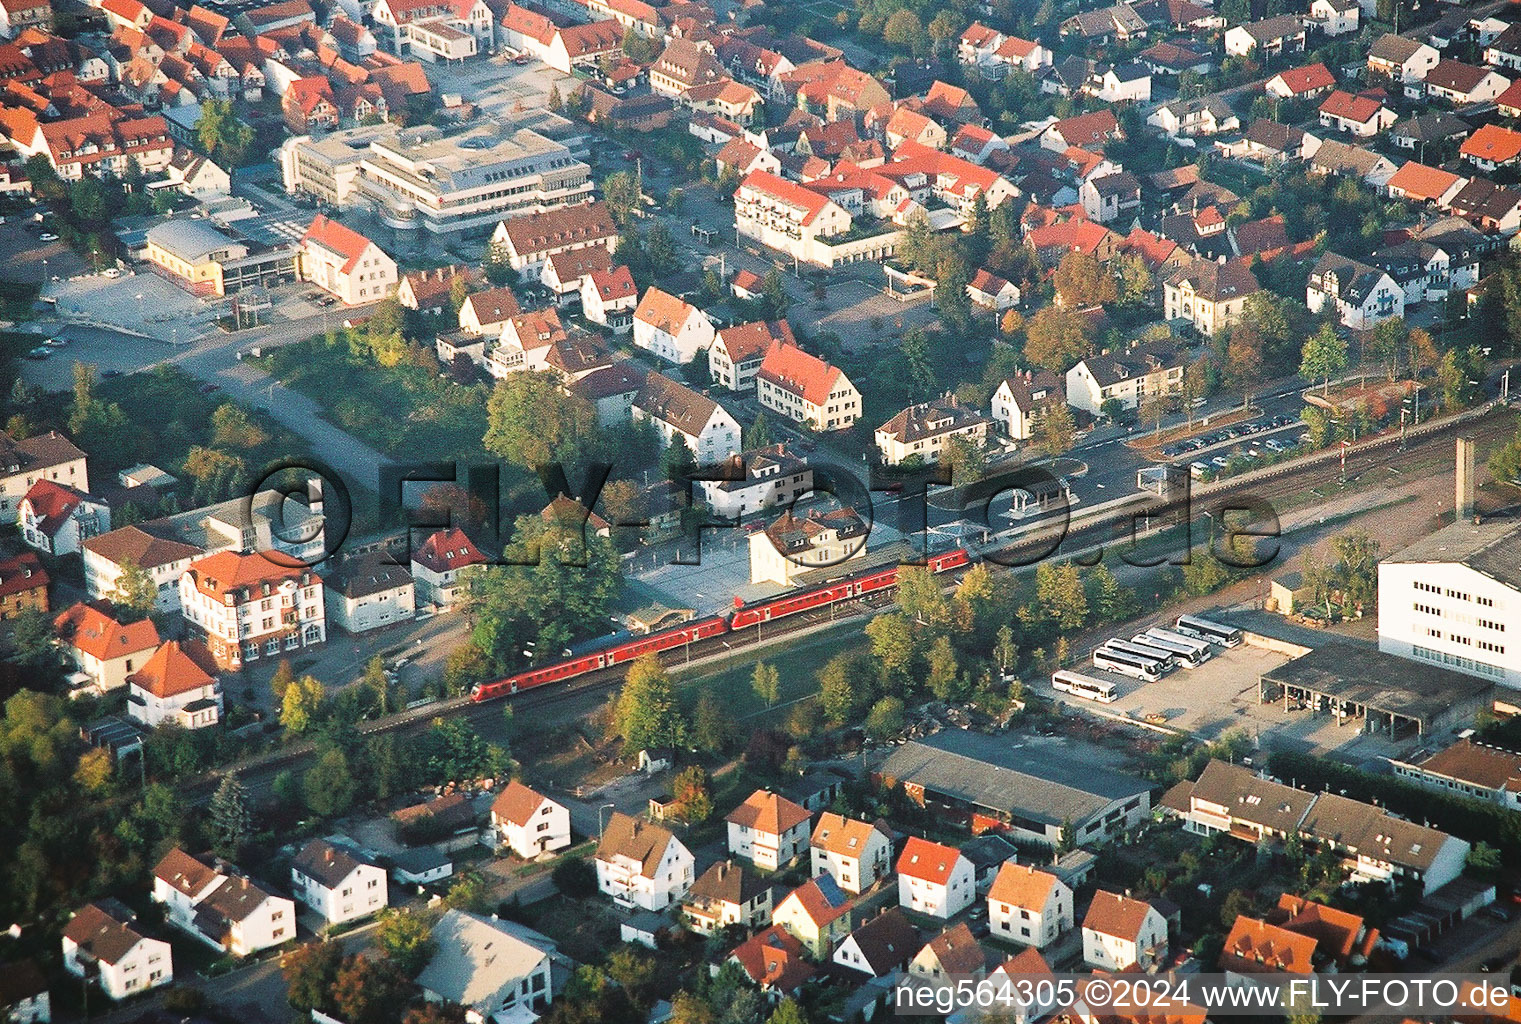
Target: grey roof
x=477 y=957
x=370 y=574
x=1380 y=682
x=1432 y=127
x=1373 y=831
x=327 y=863
x=1268 y=29
x=1252 y=798
x=191 y=240
x=1492 y=548
x=421 y=860
x=1394 y=49
x=990 y=771
x=1351 y=280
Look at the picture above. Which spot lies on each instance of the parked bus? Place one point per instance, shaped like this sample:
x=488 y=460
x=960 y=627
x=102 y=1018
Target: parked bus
x=1186 y=655
x=1127 y=664
x=1202 y=648
x=1156 y=654
x=1083 y=686
x=1204 y=629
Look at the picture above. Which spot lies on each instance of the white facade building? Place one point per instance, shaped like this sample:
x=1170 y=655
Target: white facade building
x=336 y=884
x=528 y=822
x=856 y=853
x=1028 y=905
x=642 y=865
x=103 y=943
x=221 y=908
x=934 y=880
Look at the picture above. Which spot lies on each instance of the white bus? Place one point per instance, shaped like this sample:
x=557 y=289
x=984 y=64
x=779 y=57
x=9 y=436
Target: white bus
x=1186 y=655
x=1204 y=629
x=1202 y=647
x=1083 y=686
x=1163 y=658
x=1127 y=664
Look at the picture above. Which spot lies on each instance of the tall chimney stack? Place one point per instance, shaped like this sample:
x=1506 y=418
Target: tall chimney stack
x=1463 y=478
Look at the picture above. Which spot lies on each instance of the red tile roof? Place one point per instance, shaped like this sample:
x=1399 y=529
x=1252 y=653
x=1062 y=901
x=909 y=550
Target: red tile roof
x=769 y=813
x=1418 y=181
x=516 y=804
x=21 y=574
x=175 y=669
x=614 y=284
x=52 y=503
x=1020 y=885
x=1310 y=78
x=447 y=550
x=929 y=861
x=342 y=240
x=774 y=960
x=1342 y=104
x=91 y=629
x=800 y=373
x=794 y=195
x=1256 y=947
x=821 y=909
x=1113 y=914
x=228 y=572
x=1493 y=143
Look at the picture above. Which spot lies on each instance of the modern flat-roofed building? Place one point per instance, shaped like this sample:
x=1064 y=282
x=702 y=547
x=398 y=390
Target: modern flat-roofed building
x=203 y=259
x=1468 y=768
x=326 y=168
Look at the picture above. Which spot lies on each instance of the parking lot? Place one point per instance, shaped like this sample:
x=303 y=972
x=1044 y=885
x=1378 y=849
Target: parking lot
x=1221 y=695
x=30 y=260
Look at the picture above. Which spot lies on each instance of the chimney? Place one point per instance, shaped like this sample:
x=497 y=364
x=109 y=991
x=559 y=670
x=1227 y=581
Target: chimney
x=1463 y=479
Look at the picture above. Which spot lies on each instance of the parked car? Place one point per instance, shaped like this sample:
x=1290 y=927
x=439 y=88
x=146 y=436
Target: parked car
x=210 y=389
x=1282 y=421
x=110 y=373
x=1274 y=445
x=40 y=352
x=47 y=236
x=1497 y=912
x=1220 y=461
x=1198 y=469
x=56 y=342
x=110 y=272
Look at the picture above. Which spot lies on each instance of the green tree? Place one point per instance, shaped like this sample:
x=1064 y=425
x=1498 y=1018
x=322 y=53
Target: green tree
x=531 y=421
x=758 y=435
x=135 y=593
x=788 y=1011
x=329 y=785
x=1505 y=461
x=943 y=680
x=885 y=720
x=647 y=714
x=620 y=191
x=367 y=991
x=574 y=877
x=1081 y=281
x=280 y=682
x=712 y=726
x=677 y=461
x=406 y=938
x=845 y=684
x=1112 y=409
x=229 y=818
x=497 y=265
x=1059 y=590
x=904 y=30
x=222 y=134
x=469 y=892
x=233 y=427
x=640 y=48
x=302 y=704
x=1005 y=650
x=309 y=973
x=1058 y=433
x=1057 y=337
x=893 y=645
x=766 y=682
x=1325 y=356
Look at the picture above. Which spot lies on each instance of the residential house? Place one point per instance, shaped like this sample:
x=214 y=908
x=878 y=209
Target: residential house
x=753 y=481
x=1272 y=143
x=1491 y=147
x=245 y=607
x=1422 y=184
x=1120 y=932
x=1084 y=131
x=345 y=263
x=563 y=47
x=671 y=328
x=948 y=958
x=1172 y=60
x=684 y=65
x=737 y=352
x=337 y=883
x=56 y=519
x=1120 y=24
x=1110 y=197
x=1469 y=768
x=856 y=854
x=432 y=291
x=1334 y=17
x=922 y=431
x=437 y=566
x=1263 y=40
x=768 y=830
x=611 y=391
x=1128 y=376
x=1300 y=83
x=727 y=894
x=816 y=913
x=529 y=823
x=197 y=176
x=1028 y=905
x=1436 y=128
x=1361 y=115
x=529 y=241
x=880 y=947
x=1462 y=84
x=178 y=684
x=934 y=879
x=526 y=342
x=805 y=389
x=991 y=292
x=642 y=865
x=1504 y=49
x=23 y=462
x=23 y=585
x=494 y=969
x=220 y=906
x=1120 y=83
x=98 y=644
x=1202 y=115
x=1361 y=296
x=484 y=313
x=1406 y=62
x=784 y=215
x=1210 y=296
x=103 y=943
x=1255 y=949
x=1021 y=402
x=1341 y=937
x=565 y=273
x=793 y=545
x=1027 y=966
x=609 y=297
x=368 y=591
x=1343 y=158
x=677 y=411
x=18 y=15
x=774 y=960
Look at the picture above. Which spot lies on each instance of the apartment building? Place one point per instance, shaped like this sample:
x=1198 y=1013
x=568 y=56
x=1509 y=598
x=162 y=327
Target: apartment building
x=247 y=607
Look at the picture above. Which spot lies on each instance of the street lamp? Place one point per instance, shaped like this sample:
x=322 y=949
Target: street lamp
x=600 y=826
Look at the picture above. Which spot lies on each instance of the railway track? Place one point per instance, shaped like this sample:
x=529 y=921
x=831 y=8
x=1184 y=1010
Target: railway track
x=1275 y=482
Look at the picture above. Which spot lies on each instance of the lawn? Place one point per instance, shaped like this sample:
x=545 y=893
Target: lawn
x=797 y=665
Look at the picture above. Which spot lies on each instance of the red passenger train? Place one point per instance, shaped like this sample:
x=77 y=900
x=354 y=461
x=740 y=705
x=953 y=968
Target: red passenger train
x=742 y=617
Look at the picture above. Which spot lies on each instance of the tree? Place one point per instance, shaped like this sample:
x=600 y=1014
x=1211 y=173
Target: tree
x=468 y=892
x=136 y=593
x=1058 y=433
x=640 y=48
x=712 y=730
x=903 y=30
x=677 y=461
x=1505 y=461
x=222 y=134
x=406 y=938
x=766 y=682
x=309 y=973
x=788 y=1011
x=531 y=421
x=845 y=683
x=885 y=720
x=944 y=27
x=942 y=678
x=1459 y=376
x=758 y=434
x=1243 y=358
x=967 y=459
x=647 y=714
x=1112 y=409
x=1153 y=408
x=301 y=704
x=281 y=680
x=893 y=645
x=1134 y=282
x=1059 y=591
x=620 y=190
x=329 y=786
x=1056 y=337
x=93 y=772
x=920 y=598
x=367 y=991
x=1081 y=282
x=574 y=877
x=690 y=1008
x=1325 y=356
x=1005 y=650
x=229 y=818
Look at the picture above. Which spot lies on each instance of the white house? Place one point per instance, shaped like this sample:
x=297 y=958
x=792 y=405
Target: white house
x=1119 y=931
x=737 y=352
x=609 y=297
x=1202 y=115
x=1263 y=40
x=221 y=907
x=1110 y=197
x=336 y=883
x=1021 y=402
x=952 y=955
x=806 y=389
x=1360 y=295
x=934 y=879
x=1120 y=83
x=108 y=555
x=102 y=647
x=1335 y=17
x=103 y=943
x=1363 y=116
x=923 y=430
x=49 y=456
x=796 y=544
x=530 y=240
x=496 y=970
x=529 y=823
x=344 y=263
x=677 y=411
x=879 y=947
x=752 y=481
x=992 y=292
x=247 y=606
x=857 y=853
x=783 y=215
x=177 y=684
x=727 y=894
x=369 y=592
x=437 y=564
x=768 y=830
x=1028 y=905
x=56 y=519
x=24 y=995
x=1403 y=61
x=642 y=865
x=671 y=328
